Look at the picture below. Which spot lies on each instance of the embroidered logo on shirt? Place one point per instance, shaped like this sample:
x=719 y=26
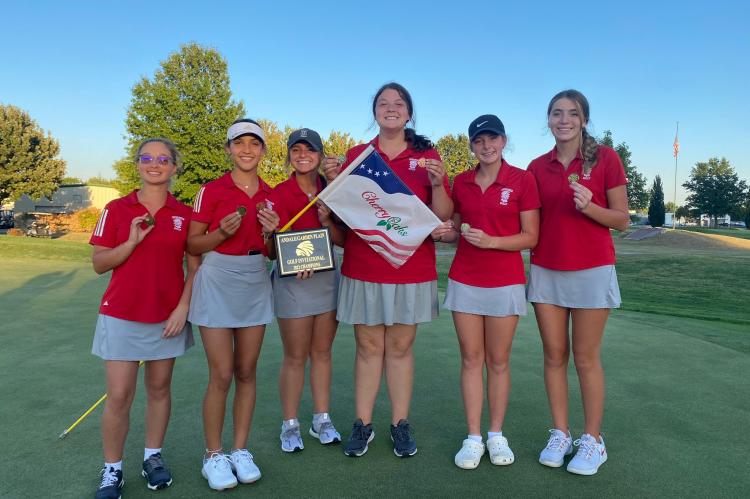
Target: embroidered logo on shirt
x=505 y=195
x=586 y=175
x=413 y=162
x=178 y=222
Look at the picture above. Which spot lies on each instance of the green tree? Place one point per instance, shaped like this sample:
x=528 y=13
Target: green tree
x=70 y=180
x=188 y=101
x=102 y=182
x=456 y=153
x=28 y=157
x=656 y=204
x=682 y=212
x=637 y=196
x=338 y=143
x=272 y=167
x=670 y=207
x=126 y=175
x=715 y=188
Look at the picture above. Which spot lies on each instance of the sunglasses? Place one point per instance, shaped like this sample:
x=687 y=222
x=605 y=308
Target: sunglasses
x=147 y=159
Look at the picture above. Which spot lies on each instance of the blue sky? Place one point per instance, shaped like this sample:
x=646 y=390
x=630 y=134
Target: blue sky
x=643 y=66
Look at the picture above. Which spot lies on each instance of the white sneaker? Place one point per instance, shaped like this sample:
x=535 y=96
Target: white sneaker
x=218 y=471
x=291 y=438
x=591 y=454
x=559 y=445
x=325 y=432
x=470 y=454
x=500 y=453
x=243 y=466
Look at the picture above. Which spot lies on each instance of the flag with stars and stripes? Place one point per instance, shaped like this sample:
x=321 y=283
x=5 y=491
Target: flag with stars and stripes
x=380 y=208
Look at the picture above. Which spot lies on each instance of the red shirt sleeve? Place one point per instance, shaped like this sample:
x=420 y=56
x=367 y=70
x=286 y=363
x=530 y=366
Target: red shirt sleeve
x=105 y=232
x=530 y=193
x=204 y=205
x=614 y=173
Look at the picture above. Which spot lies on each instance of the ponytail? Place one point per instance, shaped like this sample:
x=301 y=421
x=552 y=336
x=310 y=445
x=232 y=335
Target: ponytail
x=419 y=143
x=589 y=150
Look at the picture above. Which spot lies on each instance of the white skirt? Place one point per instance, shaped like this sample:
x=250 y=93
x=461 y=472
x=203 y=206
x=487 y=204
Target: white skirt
x=589 y=288
x=374 y=303
x=502 y=301
x=119 y=339
x=231 y=292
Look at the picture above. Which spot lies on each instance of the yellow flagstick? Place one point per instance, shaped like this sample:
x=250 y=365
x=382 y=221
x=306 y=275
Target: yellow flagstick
x=89 y=411
x=296 y=217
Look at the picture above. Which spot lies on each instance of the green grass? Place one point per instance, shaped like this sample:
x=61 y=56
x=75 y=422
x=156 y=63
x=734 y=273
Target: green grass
x=675 y=402
x=740 y=233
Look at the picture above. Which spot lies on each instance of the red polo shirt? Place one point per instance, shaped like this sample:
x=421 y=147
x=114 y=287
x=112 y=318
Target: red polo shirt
x=147 y=286
x=288 y=200
x=496 y=211
x=362 y=262
x=568 y=239
x=219 y=198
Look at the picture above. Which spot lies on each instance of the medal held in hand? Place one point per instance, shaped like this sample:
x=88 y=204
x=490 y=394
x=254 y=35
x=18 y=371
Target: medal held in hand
x=304 y=249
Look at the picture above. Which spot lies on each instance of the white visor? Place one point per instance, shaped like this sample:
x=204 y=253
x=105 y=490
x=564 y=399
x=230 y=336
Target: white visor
x=244 y=128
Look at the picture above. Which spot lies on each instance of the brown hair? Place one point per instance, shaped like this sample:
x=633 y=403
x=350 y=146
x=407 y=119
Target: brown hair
x=418 y=142
x=588 y=147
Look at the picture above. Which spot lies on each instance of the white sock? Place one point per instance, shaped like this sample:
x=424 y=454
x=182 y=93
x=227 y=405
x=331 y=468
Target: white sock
x=117 y=466
x=491 y=434
x=317 y=416
x=147 y=452
x=476 y=438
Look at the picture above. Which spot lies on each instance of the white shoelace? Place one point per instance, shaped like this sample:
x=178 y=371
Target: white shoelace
x=242 y=454
x=220 y=462
x=556 y=442
x=108 y=477
x=585 y=447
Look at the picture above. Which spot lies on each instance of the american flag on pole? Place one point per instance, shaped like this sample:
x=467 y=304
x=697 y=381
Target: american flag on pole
x=380 y=208
x=676 y=145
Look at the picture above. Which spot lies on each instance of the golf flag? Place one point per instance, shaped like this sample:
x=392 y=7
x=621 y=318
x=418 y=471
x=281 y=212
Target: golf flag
x=380 y=208
x=676 y=145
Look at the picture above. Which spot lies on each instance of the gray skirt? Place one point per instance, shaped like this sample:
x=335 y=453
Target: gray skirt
x=502 y=301
x=118 y=339
x=293 y=298
x=231 y=292
x=374 y=303
x=589 y=288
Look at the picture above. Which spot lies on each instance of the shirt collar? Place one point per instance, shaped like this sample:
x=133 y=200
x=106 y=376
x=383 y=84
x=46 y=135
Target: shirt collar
x=227 y=181
x=499 y=180
x=171 y=202
x=552 y=155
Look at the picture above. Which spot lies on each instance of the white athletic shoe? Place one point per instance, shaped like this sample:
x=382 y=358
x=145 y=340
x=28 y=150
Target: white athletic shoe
x=325 y=432
x=559 y=445
x=243 y=466
x=470 y=454
x=591 y=454
x=291 y=438
x=218 y=471
x=500 y=453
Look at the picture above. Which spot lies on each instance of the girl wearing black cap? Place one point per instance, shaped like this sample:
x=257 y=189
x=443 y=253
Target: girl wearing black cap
x=306 y=306
x=232 y=297
x=383 y=303
x=572 y=280
x=496 y=216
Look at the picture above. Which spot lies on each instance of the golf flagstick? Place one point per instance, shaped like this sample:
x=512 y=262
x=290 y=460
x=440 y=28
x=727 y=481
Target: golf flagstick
x=89 y=411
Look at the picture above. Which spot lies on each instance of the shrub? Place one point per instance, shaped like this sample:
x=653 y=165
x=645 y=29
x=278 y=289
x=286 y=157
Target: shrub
x=86 y=220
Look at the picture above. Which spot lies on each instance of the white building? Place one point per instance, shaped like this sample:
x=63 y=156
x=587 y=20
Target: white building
x=68 y=198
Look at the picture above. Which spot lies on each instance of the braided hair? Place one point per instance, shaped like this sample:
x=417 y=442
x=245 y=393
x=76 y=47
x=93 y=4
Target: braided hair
x=419 y=143
x=589 y=147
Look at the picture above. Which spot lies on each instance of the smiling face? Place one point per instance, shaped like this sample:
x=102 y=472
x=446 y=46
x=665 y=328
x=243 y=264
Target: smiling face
x=391 y=110
x=156 y=165
x=566 y=120
x=488 y=148
x=303 y=157
x=246 y=151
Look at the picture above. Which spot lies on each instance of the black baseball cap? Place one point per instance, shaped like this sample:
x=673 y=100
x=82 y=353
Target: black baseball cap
x=305 y=135
x=484 y=124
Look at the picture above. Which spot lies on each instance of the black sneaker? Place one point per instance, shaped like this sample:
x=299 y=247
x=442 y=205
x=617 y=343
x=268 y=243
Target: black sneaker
x=156 y=472
x=403 y=443
x=362 y=435
x=111 y=485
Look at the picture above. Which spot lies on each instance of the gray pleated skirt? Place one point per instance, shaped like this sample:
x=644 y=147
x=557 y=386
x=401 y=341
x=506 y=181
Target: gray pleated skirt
x=502 y=301
x=589 y=288
x=293 y=298
x=231 y=291
x=373 y=303
x=119 y=339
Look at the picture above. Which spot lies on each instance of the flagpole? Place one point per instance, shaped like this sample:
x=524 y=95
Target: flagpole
x=339 y=178
x=674 y=198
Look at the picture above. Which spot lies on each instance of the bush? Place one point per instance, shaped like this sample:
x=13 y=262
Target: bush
x=14 y=232
x=86 y=220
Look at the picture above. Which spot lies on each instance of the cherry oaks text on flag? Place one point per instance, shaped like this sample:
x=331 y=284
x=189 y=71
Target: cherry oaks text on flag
x=380 y=208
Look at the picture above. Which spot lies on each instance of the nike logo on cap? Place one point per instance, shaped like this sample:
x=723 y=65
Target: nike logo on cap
x=482 y=123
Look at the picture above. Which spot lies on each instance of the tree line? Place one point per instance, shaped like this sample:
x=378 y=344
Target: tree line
x=189 y=101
